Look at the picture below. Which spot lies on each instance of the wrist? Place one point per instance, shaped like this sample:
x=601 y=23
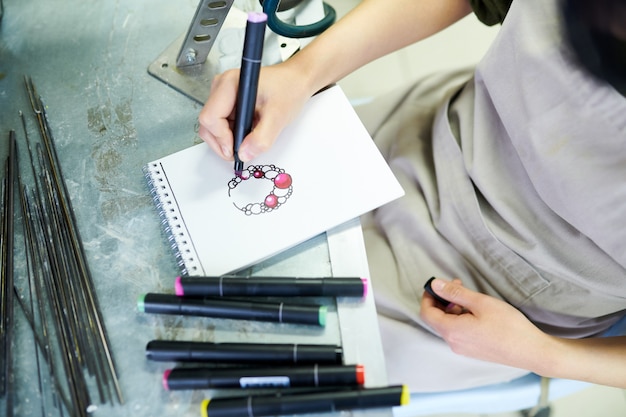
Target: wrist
x=310 y=77
x=552 y=359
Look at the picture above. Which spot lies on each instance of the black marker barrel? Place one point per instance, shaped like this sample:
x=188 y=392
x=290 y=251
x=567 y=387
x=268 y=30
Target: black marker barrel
x=270 y=286
x=186 y=378
x=277 y=312
x=248 y=81
x=291 y=354
x=316 y=402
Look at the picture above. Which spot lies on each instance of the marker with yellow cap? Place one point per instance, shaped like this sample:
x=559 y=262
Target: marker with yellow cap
x=309 y=402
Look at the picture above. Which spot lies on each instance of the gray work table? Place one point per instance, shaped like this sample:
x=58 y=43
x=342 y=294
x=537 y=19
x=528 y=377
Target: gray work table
x=88 y=60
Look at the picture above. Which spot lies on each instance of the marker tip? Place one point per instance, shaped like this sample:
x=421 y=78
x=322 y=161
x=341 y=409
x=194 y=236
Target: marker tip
x=238 y=166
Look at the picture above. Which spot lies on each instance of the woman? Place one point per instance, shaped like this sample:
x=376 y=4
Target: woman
x=515 y=184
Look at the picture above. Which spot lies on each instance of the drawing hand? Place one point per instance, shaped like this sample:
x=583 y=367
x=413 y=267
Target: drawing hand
x=280 y=97
x=483 y=327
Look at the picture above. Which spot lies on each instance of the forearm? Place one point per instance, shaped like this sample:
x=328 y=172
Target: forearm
x=373 y=29
x=597 y=360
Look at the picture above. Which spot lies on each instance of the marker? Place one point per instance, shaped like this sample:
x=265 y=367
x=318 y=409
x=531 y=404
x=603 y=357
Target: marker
x=270 y=286
x=429 y=289
x=261 y=353
x=277 y=312
x=248 y=81
x=184 y=378
x=311 y=402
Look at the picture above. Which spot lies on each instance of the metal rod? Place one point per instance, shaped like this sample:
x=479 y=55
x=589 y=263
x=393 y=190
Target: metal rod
x=8 y=278
x=63 y=302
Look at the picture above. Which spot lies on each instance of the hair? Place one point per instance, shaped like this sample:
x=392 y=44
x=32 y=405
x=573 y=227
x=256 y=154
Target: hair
x=596 y=30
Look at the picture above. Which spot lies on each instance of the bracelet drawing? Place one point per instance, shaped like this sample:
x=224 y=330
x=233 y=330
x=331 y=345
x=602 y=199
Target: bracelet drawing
x=281 y=188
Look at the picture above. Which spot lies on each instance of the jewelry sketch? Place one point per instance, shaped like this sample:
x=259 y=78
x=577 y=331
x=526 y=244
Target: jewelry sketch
x=280 y=193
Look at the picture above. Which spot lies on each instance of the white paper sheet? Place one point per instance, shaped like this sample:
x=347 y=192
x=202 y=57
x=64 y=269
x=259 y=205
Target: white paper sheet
x=336 y=172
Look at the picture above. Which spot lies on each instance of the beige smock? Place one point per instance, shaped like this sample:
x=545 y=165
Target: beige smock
x=515 y=180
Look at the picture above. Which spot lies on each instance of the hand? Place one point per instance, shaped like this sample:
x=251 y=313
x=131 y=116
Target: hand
x=280 y=96
x=483 y=327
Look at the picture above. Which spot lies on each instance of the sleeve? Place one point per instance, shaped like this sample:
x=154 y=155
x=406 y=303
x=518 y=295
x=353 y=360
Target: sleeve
x=491 y=12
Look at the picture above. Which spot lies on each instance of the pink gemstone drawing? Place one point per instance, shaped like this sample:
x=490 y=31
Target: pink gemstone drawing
x=280 y=181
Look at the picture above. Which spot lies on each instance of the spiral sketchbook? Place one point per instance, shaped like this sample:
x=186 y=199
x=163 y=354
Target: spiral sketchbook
x=323 y=170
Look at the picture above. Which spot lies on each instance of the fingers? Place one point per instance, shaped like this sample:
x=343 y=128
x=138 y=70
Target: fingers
x=217 y=112
x=220 y=140
x=462 y=301
x=265 y=130
x=455 y=293
x=217 y=115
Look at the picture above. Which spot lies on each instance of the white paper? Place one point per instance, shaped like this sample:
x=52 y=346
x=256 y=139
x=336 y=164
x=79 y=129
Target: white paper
x=337 y=174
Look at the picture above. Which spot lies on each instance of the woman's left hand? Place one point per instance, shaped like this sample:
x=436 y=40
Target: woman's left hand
x=483 y=327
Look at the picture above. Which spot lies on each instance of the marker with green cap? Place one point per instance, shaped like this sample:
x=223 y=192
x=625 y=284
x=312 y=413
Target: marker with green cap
x=233 y=309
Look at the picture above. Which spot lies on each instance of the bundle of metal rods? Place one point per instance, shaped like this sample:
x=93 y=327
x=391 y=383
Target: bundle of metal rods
x=63 y=310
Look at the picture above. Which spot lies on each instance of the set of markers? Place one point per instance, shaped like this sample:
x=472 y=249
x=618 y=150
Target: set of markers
x=324 y=383
x=303 y=378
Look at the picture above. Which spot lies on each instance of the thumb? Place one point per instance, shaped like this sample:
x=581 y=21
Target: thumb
x=263 y=135
x=456 y=293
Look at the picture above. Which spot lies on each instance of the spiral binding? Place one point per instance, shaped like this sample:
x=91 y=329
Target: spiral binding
x=171 y=221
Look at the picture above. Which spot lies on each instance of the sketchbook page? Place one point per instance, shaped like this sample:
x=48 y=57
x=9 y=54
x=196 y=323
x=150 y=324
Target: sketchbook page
x=323 y=170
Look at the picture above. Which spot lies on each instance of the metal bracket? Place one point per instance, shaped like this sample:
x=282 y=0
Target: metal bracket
x=207 y=22
x=193 y=81
x=188 y=65
x=182 y=64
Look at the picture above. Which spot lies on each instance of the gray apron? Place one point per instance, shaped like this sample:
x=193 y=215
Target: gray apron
x=515 y=180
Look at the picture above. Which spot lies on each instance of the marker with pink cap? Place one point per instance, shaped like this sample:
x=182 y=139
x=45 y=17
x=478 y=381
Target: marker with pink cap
x=248 y=82
x=232 y=286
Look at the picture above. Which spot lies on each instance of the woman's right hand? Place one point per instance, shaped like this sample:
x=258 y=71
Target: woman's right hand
x=280 y=96
x=342 y=48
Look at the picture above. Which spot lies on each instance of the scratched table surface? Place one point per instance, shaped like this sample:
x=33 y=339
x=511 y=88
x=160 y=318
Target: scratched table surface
x=88 y=60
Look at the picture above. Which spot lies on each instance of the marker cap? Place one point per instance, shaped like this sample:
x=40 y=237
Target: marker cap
x=257 y=17
x=405 y=397
x=360 y=374
x=141 y=304
x=178 y=287
x=322 y=315
x=204 y=408
x=365 y=287
x=166 y=376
